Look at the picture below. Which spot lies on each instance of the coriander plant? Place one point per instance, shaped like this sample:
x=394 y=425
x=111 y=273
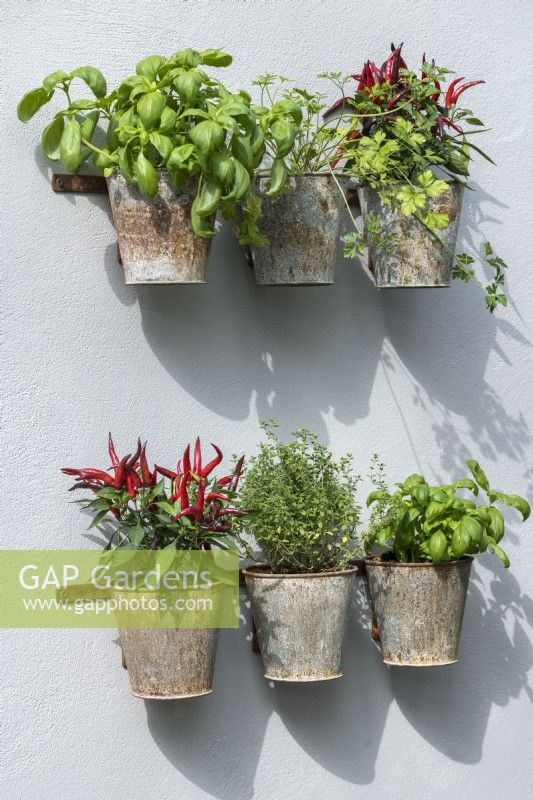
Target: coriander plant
x=420 y=522
x=300 y=504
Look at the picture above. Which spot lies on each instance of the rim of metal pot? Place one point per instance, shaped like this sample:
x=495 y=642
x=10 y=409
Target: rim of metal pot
x=266 y=174
x=260 y=571
x=376 y=561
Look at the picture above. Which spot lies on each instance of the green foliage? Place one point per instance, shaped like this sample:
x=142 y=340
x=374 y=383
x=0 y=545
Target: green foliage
x=301 y=142
x=402 y=130
x=300 y=503
x=419 y=522
x=170 y=115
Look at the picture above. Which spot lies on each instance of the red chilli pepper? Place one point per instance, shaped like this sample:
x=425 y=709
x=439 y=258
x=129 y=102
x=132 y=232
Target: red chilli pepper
x=376 y=73
x=236 y=474
x=392 y=65
x=392 y=103
x=187 y=460
x=449 y=91
x=115 y=460
x=135 y=457
x=459 y=92
x=119 y=473
x=145 y=472
x=197 y=456
x=210 y=466
x=166 y=473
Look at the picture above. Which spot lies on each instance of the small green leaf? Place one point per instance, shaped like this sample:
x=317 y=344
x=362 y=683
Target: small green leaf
x=55 y=79
x=241 y=183
x=514 y=501
x=478 y=474
x=497 y=523
x=150 y=107
x=223 y=167
x=437 y=546
x=162 y=144
x=242 y=150
x=32 y=102
x=70 y=145
x=460 y=540
x=167 y=121
x=93 y=78
x=150 y=66
x=188 y=85
x=146 y=175
x=135 y=535
x=180 y=155
x=497 y=550
x=52 y=136
x=278 y=177
x=88 y=125
x=208 y=197
x=215 y=58
x=207 y=135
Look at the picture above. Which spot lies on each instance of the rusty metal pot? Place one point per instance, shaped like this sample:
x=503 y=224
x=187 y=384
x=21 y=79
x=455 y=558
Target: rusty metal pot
x=303 y=228
x=169 y=663
x=418 y=609
x=156 y=240
x=300 y=621
x=417 y=259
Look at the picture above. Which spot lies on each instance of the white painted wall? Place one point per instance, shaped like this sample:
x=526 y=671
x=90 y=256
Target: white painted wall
x=424 y=377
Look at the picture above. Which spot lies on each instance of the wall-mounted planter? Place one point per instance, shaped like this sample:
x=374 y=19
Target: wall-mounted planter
x=169 y=663
x=300 y=621
x=417 y=259
x=303 y=228
x=418 y=609
x=156 y=240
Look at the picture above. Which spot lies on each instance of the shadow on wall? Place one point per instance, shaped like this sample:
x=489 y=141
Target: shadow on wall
x=216 y=742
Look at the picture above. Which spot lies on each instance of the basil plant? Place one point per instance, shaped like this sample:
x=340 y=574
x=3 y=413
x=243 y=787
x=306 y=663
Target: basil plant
x=171 y=115
x=419 y=522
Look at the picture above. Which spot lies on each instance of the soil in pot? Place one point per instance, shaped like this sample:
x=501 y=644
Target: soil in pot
x=156 y=240
x=300 y=621
x=416 y=259
x=303 y=228
x=169 y=663
x=418 y=609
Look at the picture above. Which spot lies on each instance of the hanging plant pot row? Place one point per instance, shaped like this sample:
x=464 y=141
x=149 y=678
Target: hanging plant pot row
x=301 y=596
x=180 y=146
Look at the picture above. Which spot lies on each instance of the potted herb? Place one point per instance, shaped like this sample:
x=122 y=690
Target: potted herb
x=303 y=515
x=418 y=586
x=154 y=508
x=411 y=157
x=178 y=147
x=302 y=202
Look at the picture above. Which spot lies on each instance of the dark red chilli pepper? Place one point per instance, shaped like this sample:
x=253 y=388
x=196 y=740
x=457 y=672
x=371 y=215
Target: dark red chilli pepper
x=459 y=92
x=129 y=485
x=451 y=124
x=233 y=512
x=184 y=497
x=236 y=474
x=166 y=473
x=375 y=72
x=401 y=62
x=187 y=460
x=392 y=103
x=70 y=471
x=342 y=103
x=135 y=457
x=210 y=466
x=392 y=65
x=145 y=472
x=449 y=91
x=224 y=481
x=94 y=487
x=96 y=475
x=119 y=473
x=115 y=460
x=197 y=466
x=215 y=496
x=218 y=528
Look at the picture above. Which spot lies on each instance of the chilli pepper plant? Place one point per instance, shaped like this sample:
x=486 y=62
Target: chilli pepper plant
x=411 y=126
x=170 y=115
x=420 y=523
x=300 y=504
x=154 y=508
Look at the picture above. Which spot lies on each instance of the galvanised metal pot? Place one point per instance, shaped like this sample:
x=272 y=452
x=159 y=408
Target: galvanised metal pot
x=418 y=609
x=156 y=240
x=169 y=663
x=416 y=259
x=303 y=228
x=300 y=621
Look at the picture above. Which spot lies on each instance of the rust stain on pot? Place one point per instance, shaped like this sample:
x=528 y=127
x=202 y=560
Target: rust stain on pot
x=418 y=609
x=303 y=229
x=300 y=621
x=416 y=259
x=169 y=663
x=155 y=236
